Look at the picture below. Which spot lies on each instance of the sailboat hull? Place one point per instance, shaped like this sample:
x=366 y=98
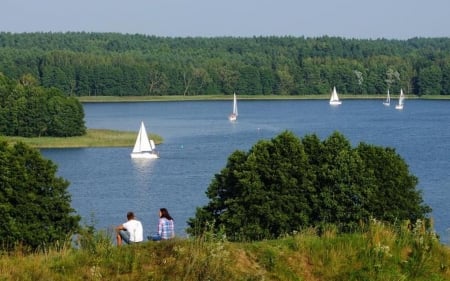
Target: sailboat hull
x=335 y=102
x=144 y=155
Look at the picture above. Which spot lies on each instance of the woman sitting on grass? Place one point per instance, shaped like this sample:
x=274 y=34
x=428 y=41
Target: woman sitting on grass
x=166 y=229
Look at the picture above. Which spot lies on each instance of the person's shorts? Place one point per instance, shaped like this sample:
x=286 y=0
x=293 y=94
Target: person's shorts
x=125 y=236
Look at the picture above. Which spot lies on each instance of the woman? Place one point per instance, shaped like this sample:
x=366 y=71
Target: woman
x=166 y=228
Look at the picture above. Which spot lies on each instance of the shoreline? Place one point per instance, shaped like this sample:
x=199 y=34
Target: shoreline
x=106 y=99
x=115 y=138
x=92 y=138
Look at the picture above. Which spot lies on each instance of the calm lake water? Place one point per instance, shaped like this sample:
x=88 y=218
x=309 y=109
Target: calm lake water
x=198 y=138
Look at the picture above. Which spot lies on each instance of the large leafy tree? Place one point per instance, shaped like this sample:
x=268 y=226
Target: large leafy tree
x=34 y=202
x=286 y=184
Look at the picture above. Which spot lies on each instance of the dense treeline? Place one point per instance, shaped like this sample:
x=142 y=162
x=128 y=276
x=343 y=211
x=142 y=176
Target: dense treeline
x=83 y=64
x=29 y=110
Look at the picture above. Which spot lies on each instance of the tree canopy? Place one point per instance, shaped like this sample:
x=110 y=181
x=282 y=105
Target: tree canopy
x=34 y=202
x=29 y=110
x=287 y=184
x=88 y=64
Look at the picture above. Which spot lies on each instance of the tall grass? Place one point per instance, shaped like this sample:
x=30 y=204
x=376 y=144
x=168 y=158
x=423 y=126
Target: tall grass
x=93 y=138
x=377 y=252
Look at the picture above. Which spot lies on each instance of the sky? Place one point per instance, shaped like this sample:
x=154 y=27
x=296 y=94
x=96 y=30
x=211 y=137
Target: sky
x=361 y=19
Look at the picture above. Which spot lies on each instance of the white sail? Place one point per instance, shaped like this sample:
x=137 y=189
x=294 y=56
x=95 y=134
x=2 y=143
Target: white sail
x=235 y=109
x=152 y=144
x=401 y=100
x=387 y=102
x=233 y=116
x=334 y=99
x=143 y=147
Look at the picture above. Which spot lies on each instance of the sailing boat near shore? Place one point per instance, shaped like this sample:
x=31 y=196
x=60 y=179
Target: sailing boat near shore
x=334 y=100
x=143 y=147
x=401 y=100
x=233 y=116
x=387 y=102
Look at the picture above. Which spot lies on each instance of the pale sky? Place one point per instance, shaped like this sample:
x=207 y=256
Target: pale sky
x=391 y=19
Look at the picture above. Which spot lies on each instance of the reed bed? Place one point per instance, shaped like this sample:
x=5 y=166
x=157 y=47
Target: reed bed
x=93 y=138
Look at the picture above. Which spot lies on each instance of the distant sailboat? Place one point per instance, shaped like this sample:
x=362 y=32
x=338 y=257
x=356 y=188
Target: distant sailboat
x=144 y=148
x=387 y=102
x=233 y=116
x=334 y=100
x=401 y=100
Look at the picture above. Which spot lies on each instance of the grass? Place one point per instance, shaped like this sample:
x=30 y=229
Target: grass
x=93 y=138
x=380 y=252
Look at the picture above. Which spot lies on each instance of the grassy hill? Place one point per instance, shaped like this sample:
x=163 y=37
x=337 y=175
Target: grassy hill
x=379 y=252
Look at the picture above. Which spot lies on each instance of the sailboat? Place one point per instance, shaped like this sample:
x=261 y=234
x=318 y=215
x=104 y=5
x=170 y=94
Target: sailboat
x=387 y=102
x=334 y=100
x=144 y=148
x=233 y=116
x=401 y=100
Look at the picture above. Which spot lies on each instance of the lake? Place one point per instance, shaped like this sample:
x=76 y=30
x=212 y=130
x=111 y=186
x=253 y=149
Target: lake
x=198 y=138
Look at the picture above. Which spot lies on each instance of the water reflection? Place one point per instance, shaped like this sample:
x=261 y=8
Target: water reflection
x=143 y=166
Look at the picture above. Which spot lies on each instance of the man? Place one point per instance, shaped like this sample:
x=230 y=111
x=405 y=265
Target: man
x=130 y=232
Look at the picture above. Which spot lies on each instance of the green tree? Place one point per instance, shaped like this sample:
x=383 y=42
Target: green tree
x=261 y=193
x=249 y=81
x=341 y=184
x=28 y=110
x=429 y=80
x=393 y=193
x=446 y=78
x=34 y=202
x=286 y=184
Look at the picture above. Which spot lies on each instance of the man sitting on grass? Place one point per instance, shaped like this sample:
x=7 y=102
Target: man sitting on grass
x=130 y=231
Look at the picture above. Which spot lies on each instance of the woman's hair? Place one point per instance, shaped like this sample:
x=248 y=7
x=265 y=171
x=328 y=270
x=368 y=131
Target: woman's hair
x=165 y=214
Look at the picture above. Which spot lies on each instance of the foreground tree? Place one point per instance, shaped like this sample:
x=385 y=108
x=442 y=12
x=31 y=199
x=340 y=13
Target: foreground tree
x=34 y=202
x=286 y=184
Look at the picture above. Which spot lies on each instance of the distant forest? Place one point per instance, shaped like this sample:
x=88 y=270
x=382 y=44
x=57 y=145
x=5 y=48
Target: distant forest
x=113 y=64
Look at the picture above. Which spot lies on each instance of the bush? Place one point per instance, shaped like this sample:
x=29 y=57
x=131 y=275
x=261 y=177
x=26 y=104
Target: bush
x=287 y=184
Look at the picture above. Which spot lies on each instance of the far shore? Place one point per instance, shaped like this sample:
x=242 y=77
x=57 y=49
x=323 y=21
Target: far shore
x=93 y=138
x=88 y=99
x=114 y=138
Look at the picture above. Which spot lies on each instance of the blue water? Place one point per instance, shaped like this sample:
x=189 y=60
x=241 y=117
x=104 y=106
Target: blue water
x=198 y=138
